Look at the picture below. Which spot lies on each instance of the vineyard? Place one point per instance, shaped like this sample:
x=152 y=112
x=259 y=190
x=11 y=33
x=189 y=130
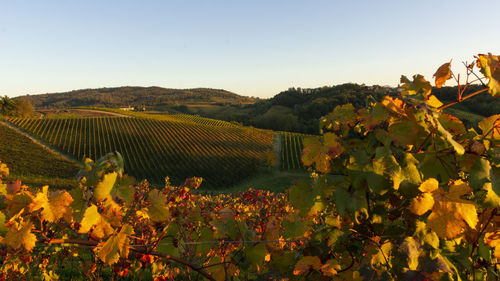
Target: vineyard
x=291 y=149
x=184 y=118
x=153 y=149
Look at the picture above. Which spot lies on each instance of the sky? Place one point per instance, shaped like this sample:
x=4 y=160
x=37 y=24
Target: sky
x=253 y=48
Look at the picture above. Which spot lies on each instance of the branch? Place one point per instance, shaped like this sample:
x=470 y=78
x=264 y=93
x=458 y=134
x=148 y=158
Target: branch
x=464 y=98
x=133 y=249
x=475 y=244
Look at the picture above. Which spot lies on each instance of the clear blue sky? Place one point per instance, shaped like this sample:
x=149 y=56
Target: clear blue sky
x=253 y=48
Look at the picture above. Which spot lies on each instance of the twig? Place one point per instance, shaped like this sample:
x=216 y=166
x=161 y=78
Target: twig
x=463 y=98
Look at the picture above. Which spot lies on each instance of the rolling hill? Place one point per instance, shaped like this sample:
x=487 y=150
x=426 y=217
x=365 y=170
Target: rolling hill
x=156 y=98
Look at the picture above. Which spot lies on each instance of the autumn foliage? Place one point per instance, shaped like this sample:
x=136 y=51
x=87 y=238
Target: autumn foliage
x=399 y=190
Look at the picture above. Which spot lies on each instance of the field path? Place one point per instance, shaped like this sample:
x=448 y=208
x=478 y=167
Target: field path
x=42 y=144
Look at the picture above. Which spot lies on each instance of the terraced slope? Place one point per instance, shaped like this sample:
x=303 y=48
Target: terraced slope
x=153 y=149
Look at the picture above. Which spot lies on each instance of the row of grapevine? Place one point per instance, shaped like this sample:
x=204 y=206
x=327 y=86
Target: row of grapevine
x=179 y=117
x=153 y=149
x=291 y=149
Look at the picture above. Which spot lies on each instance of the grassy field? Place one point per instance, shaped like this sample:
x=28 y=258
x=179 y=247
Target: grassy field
x=32 y=163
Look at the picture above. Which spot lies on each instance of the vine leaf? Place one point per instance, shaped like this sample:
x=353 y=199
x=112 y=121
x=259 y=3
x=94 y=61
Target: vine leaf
x=490 y=66
x=433 y=101
x=492 y=199
x=419 y=86
x=450 y=213
x=306 y=264
x=492 y=239
x=92 y=218
x=4 y=170
x=490 y=127
x=54 y=206
x=442 y=74
x=320 y=152
x=411 y=250
x=158 y=210
x=20 y=235
x=116 y=246
x=330 y=268
x=459 y=149
x=422 y=203
x=19 y=202
x=103 y=188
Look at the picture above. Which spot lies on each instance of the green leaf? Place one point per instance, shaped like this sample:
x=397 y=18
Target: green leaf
x=167 y=247
x=320 y=150
x=459 y=149
x=78 y=203
x=491 y=199
x=294 y=229
x=405 y=132
x=206 y=234
x=302 y=196
x=103 y=188
x=158 y=209
x=125 y=189
x=256 y=254
x=479 y=173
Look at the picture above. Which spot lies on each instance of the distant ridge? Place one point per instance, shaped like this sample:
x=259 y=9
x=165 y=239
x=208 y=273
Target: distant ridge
x=151 y=97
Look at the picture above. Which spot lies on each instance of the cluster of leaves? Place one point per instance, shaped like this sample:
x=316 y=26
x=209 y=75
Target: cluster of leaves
x=403 y=190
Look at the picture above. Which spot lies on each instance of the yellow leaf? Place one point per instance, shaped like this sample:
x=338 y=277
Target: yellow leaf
x=490 y=67
x=442 y=74
x=450 y=213
x=433 y=101
x=116 y=246
x=492 y=239
x=306 y=264
x=103 y=188
x=20 y=235
x=330 y=268
x=54 y=206
x=429 y=185
x=382 y=254
x=418 y=86
x=422 y=203
x=92 y=218
x=4 y=171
